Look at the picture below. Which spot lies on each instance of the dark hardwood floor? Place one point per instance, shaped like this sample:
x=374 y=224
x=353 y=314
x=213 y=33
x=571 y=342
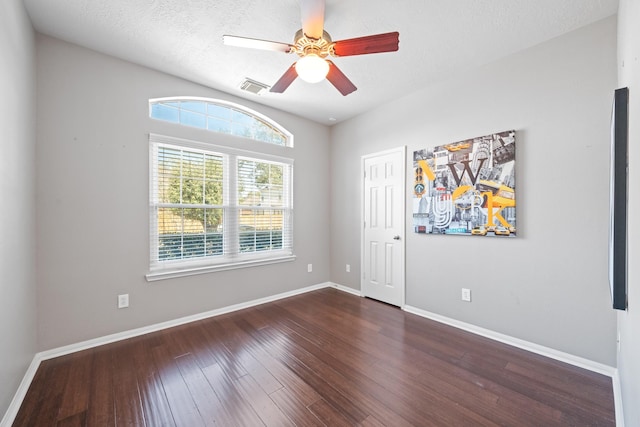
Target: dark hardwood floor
x=325 y=358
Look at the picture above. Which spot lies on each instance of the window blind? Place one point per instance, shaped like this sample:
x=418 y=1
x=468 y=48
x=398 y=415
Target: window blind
x=216 y=205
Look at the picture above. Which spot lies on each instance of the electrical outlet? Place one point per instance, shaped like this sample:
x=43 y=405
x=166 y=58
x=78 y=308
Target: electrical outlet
x=123 y=301
x=348 y=268
x=466 y=294
x=309 y=268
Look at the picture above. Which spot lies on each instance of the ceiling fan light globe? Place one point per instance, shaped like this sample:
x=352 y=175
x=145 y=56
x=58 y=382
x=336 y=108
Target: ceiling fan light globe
x=312 y=68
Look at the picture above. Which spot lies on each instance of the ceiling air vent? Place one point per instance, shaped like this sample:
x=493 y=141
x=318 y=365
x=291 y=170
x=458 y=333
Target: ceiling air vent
x=253 y=86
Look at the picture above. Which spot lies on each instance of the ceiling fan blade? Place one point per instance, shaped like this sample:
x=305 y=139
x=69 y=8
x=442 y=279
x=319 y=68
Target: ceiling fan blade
x=256 y=44
x=387 y=42
x=312 y=18
x=287 y=78
x=339 y=80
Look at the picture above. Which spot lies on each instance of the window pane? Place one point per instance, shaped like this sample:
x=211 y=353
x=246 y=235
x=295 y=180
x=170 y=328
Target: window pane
x=213 y=193
x=247 y=239
x=169 y=247
x=171 y=190
x=164 y=190
x=275 y=174
x=260 y=230
x=213 y=220
x=165 y=112
x=182 y=235
x=213 y=244
x=262 y=131
x=193 y=220
x=213 y=184
x=169 y=221
x=247 y=190
x=192 y=191
x=260 y=184
x=195 y=106
x=273 y=196
x=241 y=118
x=278 y=138
x=218 y=125
x=170 y=233
x=169 y=161
x=240 y=129
x=193 y=165
x=219 y=111
x=213 y=167
x=193 y=245
x=188 y=118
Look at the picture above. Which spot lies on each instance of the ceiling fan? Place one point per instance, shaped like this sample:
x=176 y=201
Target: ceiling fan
x=313 y=45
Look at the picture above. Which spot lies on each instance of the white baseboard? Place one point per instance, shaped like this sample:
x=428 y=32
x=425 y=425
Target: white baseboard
x=346 y=289
x=12 y=411
x=15 y=404
x=617 y=397
x=525 y=345
x=516 y=342
x=61 y=351
x=536 y=348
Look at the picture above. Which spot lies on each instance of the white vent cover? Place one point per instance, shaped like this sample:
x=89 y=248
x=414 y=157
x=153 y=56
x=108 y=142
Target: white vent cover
x=253 y=86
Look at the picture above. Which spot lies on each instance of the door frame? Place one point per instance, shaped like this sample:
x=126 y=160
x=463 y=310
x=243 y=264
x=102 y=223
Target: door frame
x=403 y=150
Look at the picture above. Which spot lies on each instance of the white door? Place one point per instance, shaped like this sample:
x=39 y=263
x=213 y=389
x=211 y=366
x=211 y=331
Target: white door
x=384 y=226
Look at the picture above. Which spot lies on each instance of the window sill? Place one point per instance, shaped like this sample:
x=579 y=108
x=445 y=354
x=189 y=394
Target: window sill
x=162 y=274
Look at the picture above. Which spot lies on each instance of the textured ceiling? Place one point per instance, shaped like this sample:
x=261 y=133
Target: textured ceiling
x=437 y=38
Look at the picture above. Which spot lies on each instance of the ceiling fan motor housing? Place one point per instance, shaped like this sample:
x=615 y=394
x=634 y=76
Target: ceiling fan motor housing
x=304 y=45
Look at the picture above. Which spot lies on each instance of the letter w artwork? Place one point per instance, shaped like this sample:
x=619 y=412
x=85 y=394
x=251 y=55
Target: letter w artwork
x=468 y=187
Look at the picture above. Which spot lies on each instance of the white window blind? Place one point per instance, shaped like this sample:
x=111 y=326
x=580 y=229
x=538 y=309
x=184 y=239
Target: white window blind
x=217 y=206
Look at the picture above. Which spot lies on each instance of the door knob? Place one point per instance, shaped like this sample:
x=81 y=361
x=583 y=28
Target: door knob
x=396 y=237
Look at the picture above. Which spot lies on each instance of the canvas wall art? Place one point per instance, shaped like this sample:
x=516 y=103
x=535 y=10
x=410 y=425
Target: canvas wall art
x=467 y=187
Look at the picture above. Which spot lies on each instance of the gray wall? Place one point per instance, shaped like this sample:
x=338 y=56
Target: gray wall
x=629 y=321
x=93 y=177
x=549 y=285
x=17 y=193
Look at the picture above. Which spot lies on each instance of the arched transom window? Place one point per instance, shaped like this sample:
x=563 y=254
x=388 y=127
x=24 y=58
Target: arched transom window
x=221 y=117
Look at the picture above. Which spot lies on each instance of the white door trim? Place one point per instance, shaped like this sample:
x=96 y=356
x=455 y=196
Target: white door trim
x=403 y=150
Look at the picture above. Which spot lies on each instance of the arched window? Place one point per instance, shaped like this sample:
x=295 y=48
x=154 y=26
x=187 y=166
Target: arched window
x=216 y=207
x=221 y=117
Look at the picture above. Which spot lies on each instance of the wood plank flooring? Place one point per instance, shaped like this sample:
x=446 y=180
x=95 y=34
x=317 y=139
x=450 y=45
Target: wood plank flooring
x=325 y=358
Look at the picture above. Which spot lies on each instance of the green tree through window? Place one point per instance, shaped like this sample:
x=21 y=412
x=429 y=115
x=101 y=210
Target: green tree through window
x=197 y=180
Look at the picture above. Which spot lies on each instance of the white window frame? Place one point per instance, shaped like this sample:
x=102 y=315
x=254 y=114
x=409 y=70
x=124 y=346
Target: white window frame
x=231 y=259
